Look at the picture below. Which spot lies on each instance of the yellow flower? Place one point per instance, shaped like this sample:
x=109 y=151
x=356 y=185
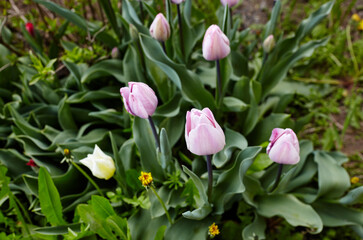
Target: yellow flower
x=66 y=152
x=146 y=179
x=360 y=25
x=213 y=230
x=354 y=180
x=355 y=17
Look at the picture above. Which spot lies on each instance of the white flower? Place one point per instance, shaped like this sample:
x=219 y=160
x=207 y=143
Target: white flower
x=101 y=165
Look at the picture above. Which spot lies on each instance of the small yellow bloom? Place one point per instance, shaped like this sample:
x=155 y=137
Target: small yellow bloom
x=146 y=179
x=354 y=180
x=355 y=17
x=66 y=152
x=213 y=230
x=360 y=25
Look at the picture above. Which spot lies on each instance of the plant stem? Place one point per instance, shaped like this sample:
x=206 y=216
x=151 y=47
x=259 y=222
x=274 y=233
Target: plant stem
x=180 y=30
x=157 y=141
x=219 y=83
x=141 y=12
x=210 y=177
x=278 y=176
x=88 y=177
x=142 y=58
x=162 y=204
x=351 y=51
x=230 y=17
x=164 y=48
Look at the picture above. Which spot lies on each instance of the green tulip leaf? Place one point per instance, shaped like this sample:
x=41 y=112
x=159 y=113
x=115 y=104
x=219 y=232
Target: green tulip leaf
x=49 y=199
x=353 y=196
x=108 y=67
x=255 y=229
x=59 y=230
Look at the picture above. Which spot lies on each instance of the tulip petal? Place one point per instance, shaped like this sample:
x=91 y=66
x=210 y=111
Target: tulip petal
x=284 y=153
x=205 y=140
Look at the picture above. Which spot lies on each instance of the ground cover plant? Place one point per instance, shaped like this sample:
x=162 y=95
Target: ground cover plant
x=166 y=120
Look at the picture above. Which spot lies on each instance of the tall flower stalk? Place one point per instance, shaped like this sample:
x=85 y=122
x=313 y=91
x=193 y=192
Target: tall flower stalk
x=181 y=38
x=216 y=47
x=204 y=137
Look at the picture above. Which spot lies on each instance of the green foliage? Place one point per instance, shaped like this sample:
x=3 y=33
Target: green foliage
x=65 y=95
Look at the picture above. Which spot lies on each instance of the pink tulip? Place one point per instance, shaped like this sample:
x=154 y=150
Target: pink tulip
x=215 y=44
x=139 y=99
x=203 y=134
x=30 y=28
x=284 y=146
x=230 y=3
x=160 y=29
x=177 y=1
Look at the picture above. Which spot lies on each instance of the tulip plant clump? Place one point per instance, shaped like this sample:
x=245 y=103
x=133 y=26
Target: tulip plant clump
x=177 y=131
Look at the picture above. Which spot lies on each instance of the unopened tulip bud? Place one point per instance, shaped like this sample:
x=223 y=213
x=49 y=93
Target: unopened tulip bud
x=101 y=165
x=30 y=28
x=114 y=52
x=139 y=99
x=230 y=3
x=215 y=44
x=203 y=134
x=160 y=29
x=134 y=33
x=269 y=44
x=284 y=146
x=177 y=1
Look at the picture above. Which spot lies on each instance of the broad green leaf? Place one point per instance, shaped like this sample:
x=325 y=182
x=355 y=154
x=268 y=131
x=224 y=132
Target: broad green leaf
x=166 y=153
x=65 y=115
x=289 y=207
x=331 y=187
x=199 y=213
x=196 y=230
x=49 y=198
x=86 y=96
x=256 y=228
x=334 y=215
x=14 y=162
x=108 y=67
x=234 y=140
x=198 y=183
x=271 y=24
x=160 y=234
x=145 y=142
x=232 y=104
x=119 y=227
x=102 y=207
x=170 y=108
x=353 y=196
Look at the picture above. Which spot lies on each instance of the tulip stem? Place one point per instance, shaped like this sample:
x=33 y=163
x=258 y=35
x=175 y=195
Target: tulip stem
x=278 y=176
x=88 y=177
x=157 y=141
x=210 y=176
x=162 y=204
x=180 y=29
x=141 y=12
x=164 y=48
x=219 y=83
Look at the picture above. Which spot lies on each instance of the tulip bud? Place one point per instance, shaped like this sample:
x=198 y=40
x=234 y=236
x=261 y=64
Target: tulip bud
x=134 y=33
x=160 y=29
x=30 y=28
x=139 y=99
x=269 y=44
x=101 y=165
x=114 y=52
x=284 y=146
x=215 y=44
x=203 y=134
x=177 y=1
x=230 y=3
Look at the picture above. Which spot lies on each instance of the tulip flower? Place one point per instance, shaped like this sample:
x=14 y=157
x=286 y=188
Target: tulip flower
x=31 y=163
x=284 y=146
x=269 y=44
x=101 y=165
x=30 y=28
x=114 y=52
x=215 y=44
x=160 y=29
x=230 y=3
x=283 y=149
x=140 y=100
x=215 y=47
x=204 y=136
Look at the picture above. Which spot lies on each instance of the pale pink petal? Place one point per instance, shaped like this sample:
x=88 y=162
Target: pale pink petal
x=284 y=153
